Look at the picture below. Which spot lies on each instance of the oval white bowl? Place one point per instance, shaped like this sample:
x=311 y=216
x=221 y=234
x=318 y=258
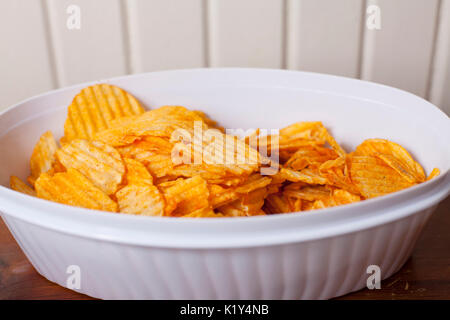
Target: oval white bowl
x=310 y=255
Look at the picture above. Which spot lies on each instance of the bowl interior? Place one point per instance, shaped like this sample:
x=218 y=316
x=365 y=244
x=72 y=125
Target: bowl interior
x=243 y=99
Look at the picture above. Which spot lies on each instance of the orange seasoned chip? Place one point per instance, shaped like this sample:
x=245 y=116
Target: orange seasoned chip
x=136 y=172
x=159 y=165
x=185 y=196
x=373 y=177
x=95 y=107
x=308 y=175
x=395 y=156
x=139 y=195
x=335 y=197
x=74 y=189
x=99 y=162
x=212 y=174
x=43 y=155
x=219 y=196
x=161 y=122
x=20 y=186
x=255 y=181
x=249 y=205
x=140 y=198
x=208 y=121
x=203 y=213
x=337 y=173
x=146 y=145
x=343 y=197
x=277 y=203
x=310 y=193
x=310 y=155
x=434 y=174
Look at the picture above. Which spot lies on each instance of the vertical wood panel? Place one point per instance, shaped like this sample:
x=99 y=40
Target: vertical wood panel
x=166 y=34
x=96 y=50
x=246 y=33
x=399 y=54
x=25 y=68
x=324 y=36
x=440 y=82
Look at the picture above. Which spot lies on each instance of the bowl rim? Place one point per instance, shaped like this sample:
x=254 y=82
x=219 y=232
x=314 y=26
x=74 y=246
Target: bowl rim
x=400 y=204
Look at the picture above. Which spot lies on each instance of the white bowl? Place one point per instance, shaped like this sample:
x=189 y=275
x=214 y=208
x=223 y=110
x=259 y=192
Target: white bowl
x=311 y=255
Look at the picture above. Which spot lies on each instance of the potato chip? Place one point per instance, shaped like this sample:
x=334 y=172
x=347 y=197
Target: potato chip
x=310 y=193
x=208 y=121
x=373 y=177
x=20 y=186
x=338 y=197
x=277 y=203
x=249 y=205
x=395 y=156
x=306 y=133
x=343 y=197
x=99 y=162
x=186 y=196
x=255 y=181
x=308 y=175
x=74 y=189
x=203 y=213
x=43 y=156
x=161 y=122
x=146 y=144
x=140 y=198
x=310 y=155
x=434 y=174
x=337 y=173
x=207 y=172
x=220 y=196
x=136 y=172
x=94 y=108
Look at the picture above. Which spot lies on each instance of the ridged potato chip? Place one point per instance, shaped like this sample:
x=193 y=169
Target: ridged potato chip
x=140 y=198
x=95 y=107
x=336 y=198
x=43 y=156
x=307 y=175
x=337 y=173
x=220 y=196
x=20 y=186
x=249 y=205
x=161 y=122
x=310 y=155
x=373 y=177
x=139 y=195
x=185 y=196
x=136 y=172
x=395 y=156
x=73 y=188
x=99 y=162
x=310 y=193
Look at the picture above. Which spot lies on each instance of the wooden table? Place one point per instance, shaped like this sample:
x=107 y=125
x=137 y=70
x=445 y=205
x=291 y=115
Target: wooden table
x=426 y=275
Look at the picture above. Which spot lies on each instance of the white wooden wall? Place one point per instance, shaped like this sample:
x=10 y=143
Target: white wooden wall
x=38 y=52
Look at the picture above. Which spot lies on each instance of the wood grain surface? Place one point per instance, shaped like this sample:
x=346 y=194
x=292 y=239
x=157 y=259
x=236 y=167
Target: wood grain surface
x=426 y=275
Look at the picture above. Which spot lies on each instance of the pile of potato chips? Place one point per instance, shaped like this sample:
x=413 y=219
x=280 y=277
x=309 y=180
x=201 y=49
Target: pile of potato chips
x=117 y=157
